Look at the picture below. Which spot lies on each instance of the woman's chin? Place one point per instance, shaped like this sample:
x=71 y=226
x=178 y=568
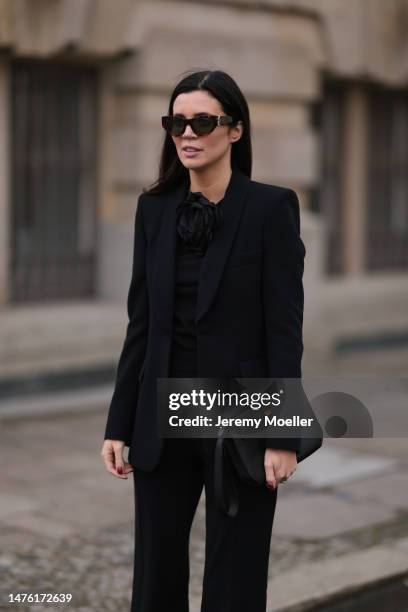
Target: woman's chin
x=192 y=165
x=193 y=162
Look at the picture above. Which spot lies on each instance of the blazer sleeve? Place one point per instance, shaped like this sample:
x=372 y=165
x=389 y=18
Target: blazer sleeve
x=122 y=407
x=283 y=295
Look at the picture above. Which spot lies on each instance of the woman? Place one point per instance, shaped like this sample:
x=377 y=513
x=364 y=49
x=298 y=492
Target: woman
x=216 y=290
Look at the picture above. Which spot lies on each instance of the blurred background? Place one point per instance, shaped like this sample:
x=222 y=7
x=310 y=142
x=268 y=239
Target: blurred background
x=83 y=84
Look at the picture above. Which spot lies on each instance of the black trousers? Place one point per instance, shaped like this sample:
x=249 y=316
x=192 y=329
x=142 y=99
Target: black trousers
x=236 y=549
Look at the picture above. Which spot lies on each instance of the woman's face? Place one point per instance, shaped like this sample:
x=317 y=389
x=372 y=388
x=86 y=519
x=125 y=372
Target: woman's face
x=212 y=148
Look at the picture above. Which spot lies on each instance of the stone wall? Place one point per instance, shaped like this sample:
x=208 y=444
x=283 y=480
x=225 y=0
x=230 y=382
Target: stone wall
x=277 y=50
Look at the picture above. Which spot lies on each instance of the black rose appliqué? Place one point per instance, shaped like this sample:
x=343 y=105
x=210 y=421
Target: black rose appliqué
x=197 y=219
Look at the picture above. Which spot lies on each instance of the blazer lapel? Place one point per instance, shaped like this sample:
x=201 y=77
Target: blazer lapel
x=164 y=276
x=215 y=257
x=218 y=249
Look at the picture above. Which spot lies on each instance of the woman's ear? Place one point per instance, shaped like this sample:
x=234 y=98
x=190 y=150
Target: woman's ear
x=237 y=131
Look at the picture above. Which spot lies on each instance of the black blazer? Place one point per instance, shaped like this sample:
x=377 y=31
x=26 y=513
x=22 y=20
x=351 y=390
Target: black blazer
x=249 y=304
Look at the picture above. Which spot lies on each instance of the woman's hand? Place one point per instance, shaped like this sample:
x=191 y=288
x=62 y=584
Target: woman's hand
x=279 y=466
x=112 y=453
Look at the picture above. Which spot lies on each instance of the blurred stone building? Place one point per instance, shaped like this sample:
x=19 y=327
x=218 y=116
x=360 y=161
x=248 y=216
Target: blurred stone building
x=83 y=84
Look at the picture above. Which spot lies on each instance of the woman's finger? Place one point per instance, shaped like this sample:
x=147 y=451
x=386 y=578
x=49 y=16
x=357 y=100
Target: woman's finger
x=107 y=456
x=128 y=468
x=270 y=476
x=119 y=463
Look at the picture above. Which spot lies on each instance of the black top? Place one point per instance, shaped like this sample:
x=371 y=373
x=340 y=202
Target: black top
x=197 y=219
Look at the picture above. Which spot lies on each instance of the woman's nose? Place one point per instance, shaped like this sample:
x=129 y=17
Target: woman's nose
x=188 y=131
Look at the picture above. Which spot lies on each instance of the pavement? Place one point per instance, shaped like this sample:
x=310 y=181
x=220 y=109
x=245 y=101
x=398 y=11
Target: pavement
x=67 y=526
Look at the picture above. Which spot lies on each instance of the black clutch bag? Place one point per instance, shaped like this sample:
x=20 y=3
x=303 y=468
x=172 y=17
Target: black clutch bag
x=243 y=458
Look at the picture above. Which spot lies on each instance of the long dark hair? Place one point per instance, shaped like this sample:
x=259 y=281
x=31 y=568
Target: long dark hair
x=221 y=86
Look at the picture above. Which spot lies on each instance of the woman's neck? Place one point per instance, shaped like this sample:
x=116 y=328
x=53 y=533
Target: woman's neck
x=211 y=186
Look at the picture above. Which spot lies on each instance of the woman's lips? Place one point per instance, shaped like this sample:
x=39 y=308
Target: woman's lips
x=191 y=152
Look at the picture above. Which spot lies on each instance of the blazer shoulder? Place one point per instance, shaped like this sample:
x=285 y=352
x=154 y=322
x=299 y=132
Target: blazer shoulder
x=147 y=198
x=151 y=205
x=271 y=192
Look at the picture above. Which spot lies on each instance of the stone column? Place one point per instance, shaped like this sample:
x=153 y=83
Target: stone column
x=4 y=183
x=354 y=181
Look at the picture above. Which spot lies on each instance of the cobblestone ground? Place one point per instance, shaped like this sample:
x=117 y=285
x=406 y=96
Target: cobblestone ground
x=95 y=565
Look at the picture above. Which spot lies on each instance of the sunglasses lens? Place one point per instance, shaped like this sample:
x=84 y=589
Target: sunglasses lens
x=203 y=125
x=177 y=126
x=173 y=125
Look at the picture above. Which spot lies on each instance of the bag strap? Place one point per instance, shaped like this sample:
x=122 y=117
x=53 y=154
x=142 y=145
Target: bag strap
x=229 y=506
